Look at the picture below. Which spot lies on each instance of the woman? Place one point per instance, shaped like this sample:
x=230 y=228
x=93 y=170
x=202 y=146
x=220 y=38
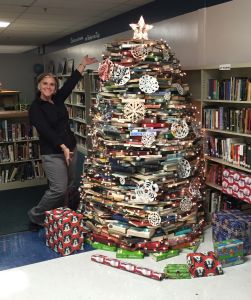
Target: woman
x=49 y=116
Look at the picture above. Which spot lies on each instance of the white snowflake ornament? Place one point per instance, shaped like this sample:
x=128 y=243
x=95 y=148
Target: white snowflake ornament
x=122 y=180
x=121 y=74
x=139 y=52
x=179 y=88
x=146 y=192
x=183 y=168
x=148 y=84
x=154 y=219
x=134 y=110
x=179 y=129
x=148 y=138
x=167 y=95
x=186 y=204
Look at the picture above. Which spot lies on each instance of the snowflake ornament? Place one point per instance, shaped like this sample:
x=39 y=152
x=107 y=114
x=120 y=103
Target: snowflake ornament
x=105 y=69
x=166 y=55
x=183 y=168
x=122 y=180
x=168 y=95
x=179 y=88
x=134 y=110
x=148 y=84
x=146 y=192
x=179 y=129
x=139 y=52
x=194 y=189
x=148 y=138
x=154 y=219
x=196 y=129
x=186 y=204
x=121 y=74
x=141 y=29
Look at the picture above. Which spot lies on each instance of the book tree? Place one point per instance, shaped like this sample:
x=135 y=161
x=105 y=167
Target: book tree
x=142 y=182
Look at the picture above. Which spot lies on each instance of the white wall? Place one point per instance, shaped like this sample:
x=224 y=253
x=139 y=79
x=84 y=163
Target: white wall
x=16 y=73
x=206 y=37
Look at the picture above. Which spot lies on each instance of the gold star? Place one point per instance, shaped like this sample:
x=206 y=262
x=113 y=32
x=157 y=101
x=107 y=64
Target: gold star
x=141 y=29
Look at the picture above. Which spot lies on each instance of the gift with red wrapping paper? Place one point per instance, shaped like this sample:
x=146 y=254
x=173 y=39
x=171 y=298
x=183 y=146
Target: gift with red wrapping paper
x=204 y=264
x=64 y=230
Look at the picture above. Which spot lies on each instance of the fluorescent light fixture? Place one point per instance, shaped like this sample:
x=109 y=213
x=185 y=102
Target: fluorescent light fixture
x=4 y=24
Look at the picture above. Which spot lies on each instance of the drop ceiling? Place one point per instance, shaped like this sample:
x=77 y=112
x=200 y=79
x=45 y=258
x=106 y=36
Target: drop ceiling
x=38 y=22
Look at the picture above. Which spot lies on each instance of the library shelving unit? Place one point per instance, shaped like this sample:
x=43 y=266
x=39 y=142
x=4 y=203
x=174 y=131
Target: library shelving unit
x=224 y=94
x=20 y=163
x=78 y=106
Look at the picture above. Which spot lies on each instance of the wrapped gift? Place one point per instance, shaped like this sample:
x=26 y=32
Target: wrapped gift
x=232 y=224
x=97 y=245
x=125 y=266
x=123 y=253
x=229 y=252
x=64 y=230
x=158 y=256
x=204 y=264
x=177 y=271
x=236 y=184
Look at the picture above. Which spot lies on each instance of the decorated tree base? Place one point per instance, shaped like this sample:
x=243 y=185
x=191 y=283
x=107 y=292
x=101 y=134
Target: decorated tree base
x=142 y=181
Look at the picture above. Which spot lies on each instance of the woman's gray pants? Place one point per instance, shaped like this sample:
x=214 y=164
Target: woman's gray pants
x=60 y=178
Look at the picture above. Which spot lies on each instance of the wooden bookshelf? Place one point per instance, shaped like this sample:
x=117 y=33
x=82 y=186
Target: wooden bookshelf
x=20 y=163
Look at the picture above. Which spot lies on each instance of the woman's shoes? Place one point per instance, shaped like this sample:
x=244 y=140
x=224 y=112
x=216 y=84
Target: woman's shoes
x=34 y=227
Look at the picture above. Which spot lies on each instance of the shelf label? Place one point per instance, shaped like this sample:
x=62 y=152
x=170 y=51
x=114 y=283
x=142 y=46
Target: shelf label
x=224 y=67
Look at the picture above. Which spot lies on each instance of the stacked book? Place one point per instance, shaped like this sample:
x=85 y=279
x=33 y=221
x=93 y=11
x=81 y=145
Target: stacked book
x=142 y=180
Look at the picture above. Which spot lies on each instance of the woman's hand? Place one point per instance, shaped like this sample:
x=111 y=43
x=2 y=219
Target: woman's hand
x=86 y=61
x=67 y=154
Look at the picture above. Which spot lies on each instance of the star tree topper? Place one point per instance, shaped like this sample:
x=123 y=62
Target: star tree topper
x=141 y=29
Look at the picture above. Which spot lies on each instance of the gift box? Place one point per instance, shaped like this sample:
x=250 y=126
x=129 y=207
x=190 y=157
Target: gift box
x=204 y=264
x=177 y=271
x=229 y=252
x=97 y=245
x=158 y=256
x=232 y=224
x=123 y=253
x=236 y=184
x=64 y=230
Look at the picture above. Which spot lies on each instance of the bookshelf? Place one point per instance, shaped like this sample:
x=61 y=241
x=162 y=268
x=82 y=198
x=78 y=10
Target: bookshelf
x=78 y=106
x=20 y=164
x=224 y=97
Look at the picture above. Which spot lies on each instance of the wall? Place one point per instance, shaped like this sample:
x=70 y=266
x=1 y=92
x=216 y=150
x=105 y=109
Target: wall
x=206 y=37
x=16 y=73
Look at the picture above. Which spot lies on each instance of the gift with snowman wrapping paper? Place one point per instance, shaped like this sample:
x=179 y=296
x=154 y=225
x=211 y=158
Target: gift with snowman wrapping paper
x=236 y=184
x=204 y=264
x=64 y=230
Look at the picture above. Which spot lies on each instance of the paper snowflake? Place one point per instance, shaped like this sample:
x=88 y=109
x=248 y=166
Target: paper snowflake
x=179 y=88
x=180 y=129
x=121 y=74
x=154 y=219
x=148 y=138
x=194 y=188
x=139 y=52
x=196 y=128
x=105 y=69
x=148 y=84
x=186 y=204
x=122 y=180
x=167 y=95
x=166 y=55
x=183 y=168
x=134 y=110
x=146 y=192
